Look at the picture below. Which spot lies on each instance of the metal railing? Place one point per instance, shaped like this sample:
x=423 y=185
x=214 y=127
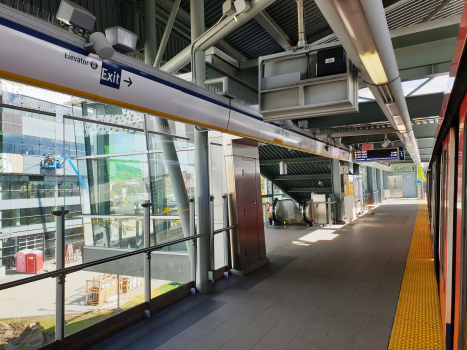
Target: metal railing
x=226 y=229
x=62 y=271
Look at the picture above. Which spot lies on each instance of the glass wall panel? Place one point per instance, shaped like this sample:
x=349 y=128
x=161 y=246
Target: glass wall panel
x=102 y=291
x=28 y=311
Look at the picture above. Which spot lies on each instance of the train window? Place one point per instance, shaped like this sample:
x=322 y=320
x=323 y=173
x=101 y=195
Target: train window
x=442 y=231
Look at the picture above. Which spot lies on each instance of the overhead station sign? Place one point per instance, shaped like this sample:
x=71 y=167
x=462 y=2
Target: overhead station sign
x=376 y=154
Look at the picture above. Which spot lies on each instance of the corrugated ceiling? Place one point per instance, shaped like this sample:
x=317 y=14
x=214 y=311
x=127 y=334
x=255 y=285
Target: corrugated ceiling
x=271 y=152
x=253 y=41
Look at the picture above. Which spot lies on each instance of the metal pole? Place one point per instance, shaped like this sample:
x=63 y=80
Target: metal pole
x=150 y=38
x=193 y=243
x=60 y=264
x=301 y=24
x=198 y=60
x=329 y=212
x=201 y=159
x=147 y=261
x=202 y=209
x=167 y=31
x=118 y=291
x=211 y=214
x=227 y=236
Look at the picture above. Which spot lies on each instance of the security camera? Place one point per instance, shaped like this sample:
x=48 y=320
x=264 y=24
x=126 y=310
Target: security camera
x=326 y=147
x=101 y=46
x=386 y=143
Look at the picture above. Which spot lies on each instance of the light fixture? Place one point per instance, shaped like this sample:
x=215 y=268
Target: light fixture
x=355 y=23
x=75 y=15
x=401 y=128
x=393 y=109
x=121 y=39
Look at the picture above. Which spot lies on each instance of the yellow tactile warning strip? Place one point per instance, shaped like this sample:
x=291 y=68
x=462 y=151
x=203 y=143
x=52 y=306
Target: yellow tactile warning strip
x=417 y=324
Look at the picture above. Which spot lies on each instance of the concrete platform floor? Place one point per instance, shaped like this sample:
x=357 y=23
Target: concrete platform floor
x=328 y=288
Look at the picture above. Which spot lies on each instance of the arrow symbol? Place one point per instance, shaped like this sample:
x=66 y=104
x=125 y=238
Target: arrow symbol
x=128 y=81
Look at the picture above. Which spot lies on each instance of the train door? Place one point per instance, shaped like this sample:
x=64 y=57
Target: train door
x=460 y=285
x=446 y=236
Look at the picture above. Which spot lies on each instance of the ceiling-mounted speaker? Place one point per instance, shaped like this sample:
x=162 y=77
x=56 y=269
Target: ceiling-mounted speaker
x=282 y=168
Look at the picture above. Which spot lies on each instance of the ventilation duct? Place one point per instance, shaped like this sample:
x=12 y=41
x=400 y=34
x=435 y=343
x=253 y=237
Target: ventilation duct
x=361 y=28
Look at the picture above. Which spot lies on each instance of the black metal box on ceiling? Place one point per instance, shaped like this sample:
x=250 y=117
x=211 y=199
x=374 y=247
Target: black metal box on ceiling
x=331 y=61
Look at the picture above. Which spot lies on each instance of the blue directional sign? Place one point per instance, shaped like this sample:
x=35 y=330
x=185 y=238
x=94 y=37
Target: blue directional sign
x=401 y=153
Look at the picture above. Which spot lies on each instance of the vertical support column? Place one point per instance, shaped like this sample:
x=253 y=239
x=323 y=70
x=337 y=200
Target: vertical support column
x=385 y=182
x=193 y=243
x=337 y=188
x=227 y=257
x=60 y=264
x=201 y=157
x=150 y=38
x=211 y=217
x=379 y=184
x=202 y=209
x=147 y=262
x=371 y=185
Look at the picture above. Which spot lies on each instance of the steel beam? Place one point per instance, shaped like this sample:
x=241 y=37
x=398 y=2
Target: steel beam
x=294 y=160
x=185 y=18
x=301 y=177
x=213 y=35
x=425 y=26
x=422 y=106
x=361 y=132
x=437 y=10
x=167 y=31
x=274 y=30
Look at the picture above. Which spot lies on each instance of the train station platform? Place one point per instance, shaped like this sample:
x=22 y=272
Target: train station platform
x=333 y=287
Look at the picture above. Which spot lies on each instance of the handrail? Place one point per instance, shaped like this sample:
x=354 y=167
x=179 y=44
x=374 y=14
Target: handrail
x=71 y=269
x=223 y=229
x=323 y=202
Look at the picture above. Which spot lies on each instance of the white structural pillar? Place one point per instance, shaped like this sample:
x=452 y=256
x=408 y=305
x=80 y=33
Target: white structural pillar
x=203 y=224
x=60 y=281
x=337 y=188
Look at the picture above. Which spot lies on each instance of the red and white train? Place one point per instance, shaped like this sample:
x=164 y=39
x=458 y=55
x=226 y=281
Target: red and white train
x=447 y=195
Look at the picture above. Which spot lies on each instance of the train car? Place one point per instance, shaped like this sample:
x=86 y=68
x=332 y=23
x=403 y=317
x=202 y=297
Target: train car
x=447 y=200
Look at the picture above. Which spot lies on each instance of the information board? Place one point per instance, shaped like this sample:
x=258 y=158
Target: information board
x=376 y=154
